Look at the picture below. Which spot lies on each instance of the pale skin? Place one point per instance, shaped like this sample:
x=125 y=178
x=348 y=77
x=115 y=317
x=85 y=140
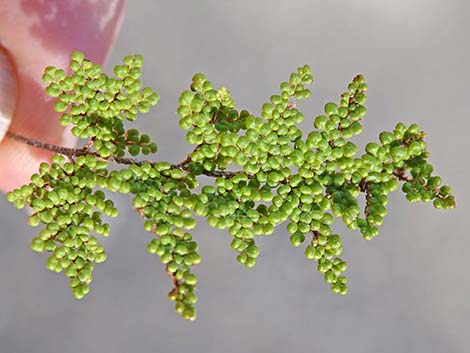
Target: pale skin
x=35 y=34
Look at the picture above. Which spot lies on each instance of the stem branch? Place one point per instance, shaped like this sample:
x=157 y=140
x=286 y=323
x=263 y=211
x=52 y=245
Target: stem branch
x=75 y=152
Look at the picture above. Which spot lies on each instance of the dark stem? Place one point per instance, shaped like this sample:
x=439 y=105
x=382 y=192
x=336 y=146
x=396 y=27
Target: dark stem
x=364 y=186
x=71 y=153
x=400 y=174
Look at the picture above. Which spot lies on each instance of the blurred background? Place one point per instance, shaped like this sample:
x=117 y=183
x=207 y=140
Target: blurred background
x=409 y=287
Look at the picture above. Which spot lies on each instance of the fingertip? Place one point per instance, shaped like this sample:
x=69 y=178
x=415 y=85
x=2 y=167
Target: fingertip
x=37 y=36
x=18 y=162
x=8 y=88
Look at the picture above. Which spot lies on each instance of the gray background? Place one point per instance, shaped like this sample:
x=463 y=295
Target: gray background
x=409 y=288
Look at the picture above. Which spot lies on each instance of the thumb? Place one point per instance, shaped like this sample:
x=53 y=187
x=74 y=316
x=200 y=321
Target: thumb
x=36 y=34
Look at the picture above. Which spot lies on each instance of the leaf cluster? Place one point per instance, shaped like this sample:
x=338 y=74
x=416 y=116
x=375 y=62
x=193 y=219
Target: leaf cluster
x=264 y=171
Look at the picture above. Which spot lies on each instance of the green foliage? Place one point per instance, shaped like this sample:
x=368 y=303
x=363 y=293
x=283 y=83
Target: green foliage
x=265 y=173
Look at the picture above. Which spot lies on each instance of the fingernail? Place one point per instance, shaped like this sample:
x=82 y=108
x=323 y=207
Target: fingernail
x=7 y=91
